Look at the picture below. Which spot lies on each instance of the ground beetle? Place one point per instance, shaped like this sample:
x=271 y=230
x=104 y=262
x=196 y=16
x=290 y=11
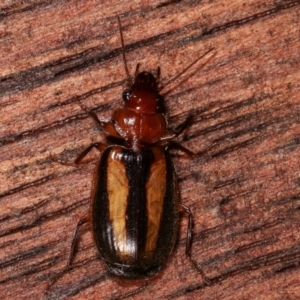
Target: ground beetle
x=135 y=201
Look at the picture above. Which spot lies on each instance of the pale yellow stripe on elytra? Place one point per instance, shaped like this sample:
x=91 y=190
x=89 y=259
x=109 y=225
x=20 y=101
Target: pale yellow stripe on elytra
x=117 y=187
x=156 y=188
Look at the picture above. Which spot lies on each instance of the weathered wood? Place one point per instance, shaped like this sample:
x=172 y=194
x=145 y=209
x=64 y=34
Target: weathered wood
x=244 y=190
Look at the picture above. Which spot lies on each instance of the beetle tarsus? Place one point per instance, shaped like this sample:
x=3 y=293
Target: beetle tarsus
x=205 y=279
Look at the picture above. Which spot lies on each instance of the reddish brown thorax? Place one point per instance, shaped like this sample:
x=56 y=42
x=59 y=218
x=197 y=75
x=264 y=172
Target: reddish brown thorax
x=140 y=122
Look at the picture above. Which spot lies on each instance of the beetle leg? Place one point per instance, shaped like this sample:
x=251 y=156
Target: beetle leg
x=106 y=126
x=189 y=232
x=110 y=129
x=175 y=145
x=92 y=114
x=157 y=78
x=83 y=154
x=189 y=242
x=181 y=127
x=170 y=134
x=137 y=70
x=84 y=219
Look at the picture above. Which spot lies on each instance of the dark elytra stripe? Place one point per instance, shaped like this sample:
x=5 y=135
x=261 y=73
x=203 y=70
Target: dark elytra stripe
x=169 y=226
x=138 y=166
x=101 y=224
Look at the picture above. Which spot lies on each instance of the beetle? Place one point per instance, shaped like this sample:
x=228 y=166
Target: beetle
x=135 y=199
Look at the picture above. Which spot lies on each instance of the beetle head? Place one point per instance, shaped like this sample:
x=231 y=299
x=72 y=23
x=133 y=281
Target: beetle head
x=143 y=96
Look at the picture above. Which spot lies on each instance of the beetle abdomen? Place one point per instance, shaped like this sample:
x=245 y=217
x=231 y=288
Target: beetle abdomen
x=135 y=217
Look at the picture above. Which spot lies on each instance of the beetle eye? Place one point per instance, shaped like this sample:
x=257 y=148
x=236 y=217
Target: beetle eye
x=126 y=95
x=160 y=104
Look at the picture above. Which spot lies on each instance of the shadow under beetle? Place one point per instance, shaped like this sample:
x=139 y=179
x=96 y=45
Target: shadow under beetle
x=135 y=200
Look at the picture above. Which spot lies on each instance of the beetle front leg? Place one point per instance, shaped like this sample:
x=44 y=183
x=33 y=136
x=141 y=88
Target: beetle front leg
x=92 y=114
x=108 y=127
x=189 y=242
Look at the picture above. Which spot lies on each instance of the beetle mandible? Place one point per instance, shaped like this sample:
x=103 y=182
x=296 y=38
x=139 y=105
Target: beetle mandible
x=135 y=201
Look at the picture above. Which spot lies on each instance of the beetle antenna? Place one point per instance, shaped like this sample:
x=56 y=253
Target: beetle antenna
x=187 y=68
x=123 y=53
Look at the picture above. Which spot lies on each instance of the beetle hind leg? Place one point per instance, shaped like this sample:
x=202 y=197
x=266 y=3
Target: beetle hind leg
x=83 y=220
x=189 y=241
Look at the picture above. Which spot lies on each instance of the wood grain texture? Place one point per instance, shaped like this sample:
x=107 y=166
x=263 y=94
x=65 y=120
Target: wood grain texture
x=244 y=190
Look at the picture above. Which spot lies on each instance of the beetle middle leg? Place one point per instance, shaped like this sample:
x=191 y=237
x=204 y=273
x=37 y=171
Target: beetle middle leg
x=170 y=134
x=189 y=242
x=82 y=155
x=167 y=138
x=181 y=127
x=177 y=146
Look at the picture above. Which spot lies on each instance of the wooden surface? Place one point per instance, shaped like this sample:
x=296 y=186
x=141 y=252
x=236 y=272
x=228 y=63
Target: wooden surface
x=244 y=190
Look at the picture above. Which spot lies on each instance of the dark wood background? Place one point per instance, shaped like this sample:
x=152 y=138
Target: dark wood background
x=244 y=190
